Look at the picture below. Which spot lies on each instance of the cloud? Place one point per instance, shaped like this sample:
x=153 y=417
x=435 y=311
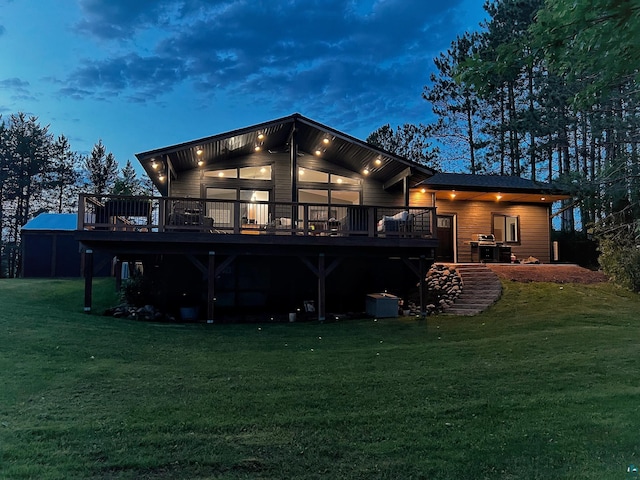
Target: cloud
x=344 y=55
x=148 y=76
x=20 y=89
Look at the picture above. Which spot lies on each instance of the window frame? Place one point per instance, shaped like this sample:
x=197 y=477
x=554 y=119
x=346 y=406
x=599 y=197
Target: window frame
x=504 y=217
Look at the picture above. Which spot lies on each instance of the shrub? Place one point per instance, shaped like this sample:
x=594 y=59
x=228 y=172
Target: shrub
x=620 y=260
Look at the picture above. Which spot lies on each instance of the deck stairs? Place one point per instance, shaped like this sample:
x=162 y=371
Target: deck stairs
x=481 y=288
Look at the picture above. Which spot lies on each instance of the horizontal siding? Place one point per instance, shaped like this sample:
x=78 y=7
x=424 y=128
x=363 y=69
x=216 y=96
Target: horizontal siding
x=476 y=217
x=190 y=183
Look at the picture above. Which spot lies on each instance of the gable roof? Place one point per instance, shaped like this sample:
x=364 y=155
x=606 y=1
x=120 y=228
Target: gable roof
x=342 y=150
x=53 y=221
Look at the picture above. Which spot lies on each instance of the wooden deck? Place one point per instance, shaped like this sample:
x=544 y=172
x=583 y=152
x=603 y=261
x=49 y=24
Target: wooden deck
x=212 y=234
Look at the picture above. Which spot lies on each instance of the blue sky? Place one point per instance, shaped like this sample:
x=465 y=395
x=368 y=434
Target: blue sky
x=144 y=74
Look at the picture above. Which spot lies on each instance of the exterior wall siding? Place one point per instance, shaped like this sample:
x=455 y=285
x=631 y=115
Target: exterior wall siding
x=192 y=183
x=476 y=217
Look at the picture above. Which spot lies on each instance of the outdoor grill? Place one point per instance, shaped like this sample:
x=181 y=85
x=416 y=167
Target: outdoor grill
x=484 y=248
x=484 y=239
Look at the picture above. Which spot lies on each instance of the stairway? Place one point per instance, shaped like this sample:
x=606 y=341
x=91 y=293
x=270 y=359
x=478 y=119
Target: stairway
x=481 y=288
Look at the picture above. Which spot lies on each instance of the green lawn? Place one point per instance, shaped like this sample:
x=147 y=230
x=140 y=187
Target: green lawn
x=545 y=385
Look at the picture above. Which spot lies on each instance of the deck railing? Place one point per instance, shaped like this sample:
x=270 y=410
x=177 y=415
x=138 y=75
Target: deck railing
x=173 y=214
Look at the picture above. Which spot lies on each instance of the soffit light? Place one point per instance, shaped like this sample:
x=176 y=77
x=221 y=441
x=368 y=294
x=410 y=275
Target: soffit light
x=366 y=171
x=378 y=162
x=498 y=197
x=543 y=198
x=261 y=136
x=154 y=164
x=199 y=150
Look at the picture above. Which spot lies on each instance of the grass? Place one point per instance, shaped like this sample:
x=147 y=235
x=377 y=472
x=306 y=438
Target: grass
x=542 y=386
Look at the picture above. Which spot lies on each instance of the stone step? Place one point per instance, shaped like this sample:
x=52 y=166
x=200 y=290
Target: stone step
x=481 y=289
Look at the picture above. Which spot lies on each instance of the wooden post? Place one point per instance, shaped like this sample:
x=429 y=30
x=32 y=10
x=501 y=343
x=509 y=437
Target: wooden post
x=118 y=274
x=321 y=288
x=211 y=281
x=88 y=279
x=423 y=286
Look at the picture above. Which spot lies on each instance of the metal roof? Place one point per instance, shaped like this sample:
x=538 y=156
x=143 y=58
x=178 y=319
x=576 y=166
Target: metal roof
x=53 y=221
x=502 y=183
x=276 y=136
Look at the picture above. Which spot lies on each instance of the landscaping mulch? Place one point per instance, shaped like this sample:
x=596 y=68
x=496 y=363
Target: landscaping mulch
x=556 y=273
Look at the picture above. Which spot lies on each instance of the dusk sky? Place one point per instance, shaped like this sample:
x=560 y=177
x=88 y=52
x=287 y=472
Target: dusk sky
x=144 y=74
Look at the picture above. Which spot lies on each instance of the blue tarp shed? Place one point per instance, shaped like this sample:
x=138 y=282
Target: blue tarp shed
x=49 y=248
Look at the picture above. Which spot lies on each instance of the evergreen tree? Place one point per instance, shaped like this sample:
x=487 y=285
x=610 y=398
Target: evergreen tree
x=409 y=141
x=456 y=107
x=64 y=176
x=127 y=183
x=102 y=170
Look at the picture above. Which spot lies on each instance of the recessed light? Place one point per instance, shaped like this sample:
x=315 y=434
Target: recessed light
x=543 y=198
x=326 y=141
x=423 y=190
x=378 y=161
x=498 y=196
x=221 y=174
x=199 y=151
x=260 y=136
x=200 y=163
x=366 y=171
x=318 y=152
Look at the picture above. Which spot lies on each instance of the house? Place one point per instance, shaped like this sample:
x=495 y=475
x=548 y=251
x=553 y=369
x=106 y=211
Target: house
x=292 y=211
x=49 y=248
x=515 y=210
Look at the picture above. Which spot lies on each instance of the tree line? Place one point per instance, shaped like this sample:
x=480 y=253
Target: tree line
x=546 y=90
x=40 y=172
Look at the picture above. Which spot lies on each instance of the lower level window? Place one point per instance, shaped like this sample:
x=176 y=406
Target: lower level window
x=506 y=228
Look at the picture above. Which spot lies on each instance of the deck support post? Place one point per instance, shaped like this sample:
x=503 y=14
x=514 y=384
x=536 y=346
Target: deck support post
x=321 y=288
x=117 y=271
x=423 y=286
x=211 y=282
x=88 y=279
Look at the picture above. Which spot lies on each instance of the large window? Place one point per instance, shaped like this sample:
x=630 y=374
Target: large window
x=506 y=228
x=328 y=188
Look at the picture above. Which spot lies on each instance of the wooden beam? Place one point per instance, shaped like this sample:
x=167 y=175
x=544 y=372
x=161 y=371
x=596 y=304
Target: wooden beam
x=423 y=286
x=400 y=176
x=211 y=290
x=412 y=266
x=405 y=190
x=322 y=277
x=293 y=157
x=88 y=279
x=227 y=261
x=197 y=263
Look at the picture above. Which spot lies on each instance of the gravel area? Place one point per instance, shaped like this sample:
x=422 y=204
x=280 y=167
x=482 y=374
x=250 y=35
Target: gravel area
x=557 y=273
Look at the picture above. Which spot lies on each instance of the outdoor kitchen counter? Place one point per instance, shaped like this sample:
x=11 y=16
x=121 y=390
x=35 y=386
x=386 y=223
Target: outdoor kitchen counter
x=482 y=252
